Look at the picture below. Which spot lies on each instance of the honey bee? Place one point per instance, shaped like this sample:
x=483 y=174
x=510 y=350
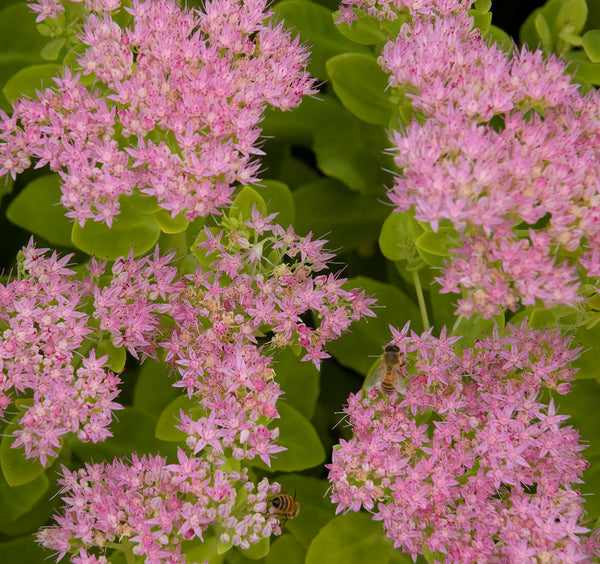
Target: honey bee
x=285 y=506
x=387 y=373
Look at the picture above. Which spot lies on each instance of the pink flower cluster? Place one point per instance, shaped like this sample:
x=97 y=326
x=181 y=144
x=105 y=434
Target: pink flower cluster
x=507 y=159
x=174 y=111
x=383 y=10
x=43 y=357
x=149 y=507
x=130 y=306
x=261 y=281
x=261 y=285
x=472 y=462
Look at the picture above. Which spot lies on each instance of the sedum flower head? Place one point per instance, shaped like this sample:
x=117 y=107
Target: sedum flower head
x=503 y=159
x=472 y=462
x=56 y=388
x=173 y=113
x=151 y=507
x=210 y=326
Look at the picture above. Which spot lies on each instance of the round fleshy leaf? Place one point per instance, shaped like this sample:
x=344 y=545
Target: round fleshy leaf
x=17 y=469
x=205 y=550
x=583 y=69
x=352 y=151
x=130 y=230
x=296 y=433
x=360 y=84
x=500 y=37
x=168 y=224
x=278 y=198
x=398 y=234
x=571 y=16
x=363 y=30
x=153 y=389
x=299 y=380
x=433 y=247
x=257 y=550
x=170 y=417
x=24 y=550
x=245 y=201
x=142 y=203
x=52 y=49
x=316 y=28
x=20 y=49
x=316 y=508
x=37 y=209
x=581 y=405
x=481 y=21
x=133 y=431
x=18 y=500
x=482 y=6
x=286 y=549
x=350 y=539
x=116 y=355
x=345 y=218
x=591 y=45
x=25 y=83
x=543 y=31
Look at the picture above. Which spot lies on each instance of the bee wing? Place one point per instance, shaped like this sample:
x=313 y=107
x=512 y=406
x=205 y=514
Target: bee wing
x=400 y=383
x=372 y=378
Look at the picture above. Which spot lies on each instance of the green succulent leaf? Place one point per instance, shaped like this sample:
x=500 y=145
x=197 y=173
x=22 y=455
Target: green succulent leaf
x=352 y=151
x=583 y=68
x=24 y=550
x=130 y=230
x=27 y=81
x=296 y=433
x=154 y=390
x=278 y=198
x=316 y=28
x=286 y=549
x=571 y=16
x=17 y=469
x=202 y=551
x=116 y=355
x=353 y=538
x=591 y=45
x=581 y=405
x=133 y=432
x=169 y=224
x=258 y=550
x=37 y=209
x=363 y=30
x=398 y=235
x=299 y=380
x=543 y=31
x=245 y=201
x=16 y=501
x=19 y=50
x=329 y=209
x=299 y=125
x=170 y=417
x=360 y=83
x=52 y=49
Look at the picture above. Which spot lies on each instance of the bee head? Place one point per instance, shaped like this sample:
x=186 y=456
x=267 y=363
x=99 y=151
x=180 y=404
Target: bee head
x=391 y=348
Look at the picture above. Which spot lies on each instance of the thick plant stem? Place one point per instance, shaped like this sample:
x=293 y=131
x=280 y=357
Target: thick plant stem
x=421 y=299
